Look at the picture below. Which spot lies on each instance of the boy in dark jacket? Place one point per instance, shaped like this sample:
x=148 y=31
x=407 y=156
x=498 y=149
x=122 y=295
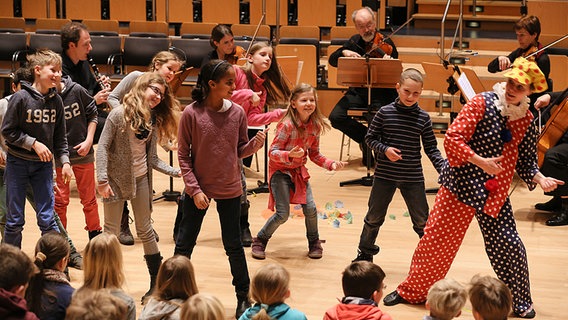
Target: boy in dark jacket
x=80 y=123
x=34 y=131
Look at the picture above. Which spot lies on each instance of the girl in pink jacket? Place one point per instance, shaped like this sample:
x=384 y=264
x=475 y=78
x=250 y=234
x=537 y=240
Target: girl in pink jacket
x=259 y=83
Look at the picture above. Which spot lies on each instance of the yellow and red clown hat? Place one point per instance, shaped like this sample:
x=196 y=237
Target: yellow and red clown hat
x=527 y=72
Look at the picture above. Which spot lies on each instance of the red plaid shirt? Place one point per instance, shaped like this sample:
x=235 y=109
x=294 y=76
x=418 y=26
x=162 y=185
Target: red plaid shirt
x=287 y=137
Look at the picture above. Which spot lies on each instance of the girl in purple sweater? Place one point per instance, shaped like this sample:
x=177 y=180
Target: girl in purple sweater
x=212 y=136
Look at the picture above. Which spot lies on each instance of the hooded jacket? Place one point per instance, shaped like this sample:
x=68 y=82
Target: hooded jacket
x=279 y=311
x=355 y=309
x=161 y=310
x=31 y=116
x=14 y=307
x=80 y=110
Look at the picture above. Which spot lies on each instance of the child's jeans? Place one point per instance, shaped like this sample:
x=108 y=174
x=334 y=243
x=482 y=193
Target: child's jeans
x=19 y=174
x=414 y=196
x=280 y=183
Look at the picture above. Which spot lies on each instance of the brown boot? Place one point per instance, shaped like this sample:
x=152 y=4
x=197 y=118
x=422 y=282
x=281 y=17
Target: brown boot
x=125 y=236
x=315 y=249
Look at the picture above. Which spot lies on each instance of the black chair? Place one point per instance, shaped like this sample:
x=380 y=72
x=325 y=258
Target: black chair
x=195 y=36
x=195 y=50
x=12 y=47
x=139 y=51
x=103 y=33
x=46 y=41
x=148 y=34
x=105 y=49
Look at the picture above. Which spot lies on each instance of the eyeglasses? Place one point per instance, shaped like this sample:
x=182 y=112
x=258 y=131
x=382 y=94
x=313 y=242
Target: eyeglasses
x=157 y=91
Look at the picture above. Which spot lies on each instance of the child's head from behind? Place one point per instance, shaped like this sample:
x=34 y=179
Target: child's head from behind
x=176 y=279
x=446 y=298
x=50 y=249
x=102 y=263
x=270 y=284
x=363 y=279
x=409 y=87
x=45 y=66
x=88 y=304
x=216 y=80
x=16 y=269
x=490 y=298
x=21 y=74
x=202 y=306
x=51 y=253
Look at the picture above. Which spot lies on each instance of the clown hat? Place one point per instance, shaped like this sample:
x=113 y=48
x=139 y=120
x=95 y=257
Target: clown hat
x=527 y=72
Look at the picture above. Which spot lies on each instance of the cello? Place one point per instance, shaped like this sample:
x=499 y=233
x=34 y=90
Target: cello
x=555 y=128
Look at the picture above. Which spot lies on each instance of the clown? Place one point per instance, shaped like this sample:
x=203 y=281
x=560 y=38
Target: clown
x=492 y=137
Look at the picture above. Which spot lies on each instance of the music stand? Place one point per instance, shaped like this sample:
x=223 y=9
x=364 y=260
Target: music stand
x=369 y=73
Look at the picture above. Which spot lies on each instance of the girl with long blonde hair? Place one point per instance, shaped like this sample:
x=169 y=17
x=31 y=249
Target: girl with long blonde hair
x=167 y=64
x=103 y=269
x=127 y=155
x=269 y=288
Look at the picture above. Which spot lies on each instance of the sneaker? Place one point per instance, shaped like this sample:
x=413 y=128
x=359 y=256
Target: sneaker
x=76 y=261
x=361 y=256
x=125 y=237
x=315 y=249
x=258 y=248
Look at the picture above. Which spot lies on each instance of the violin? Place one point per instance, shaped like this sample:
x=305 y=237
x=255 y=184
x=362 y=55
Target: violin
x=238 y=53
x=378 y=48
x=533 y=52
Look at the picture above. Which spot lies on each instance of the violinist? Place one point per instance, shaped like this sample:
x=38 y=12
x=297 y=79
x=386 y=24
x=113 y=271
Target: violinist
x=555 y=165
x=528 y=30
x=368 y=42
x=223 y=43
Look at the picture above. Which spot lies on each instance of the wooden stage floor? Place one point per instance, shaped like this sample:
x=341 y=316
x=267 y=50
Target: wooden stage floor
x=316 y=284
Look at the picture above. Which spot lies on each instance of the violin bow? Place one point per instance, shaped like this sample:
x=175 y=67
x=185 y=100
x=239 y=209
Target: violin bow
x=398 y=29
x=547 y=46
x=389 y=36
x=255 y=33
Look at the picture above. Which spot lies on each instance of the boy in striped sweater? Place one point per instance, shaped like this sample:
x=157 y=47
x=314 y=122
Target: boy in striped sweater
x=395 y=136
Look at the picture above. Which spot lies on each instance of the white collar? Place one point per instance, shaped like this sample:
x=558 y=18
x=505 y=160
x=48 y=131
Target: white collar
x=513 y=112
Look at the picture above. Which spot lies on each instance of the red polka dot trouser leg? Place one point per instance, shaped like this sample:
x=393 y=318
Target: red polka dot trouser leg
x=444 y=232
x=507 y=254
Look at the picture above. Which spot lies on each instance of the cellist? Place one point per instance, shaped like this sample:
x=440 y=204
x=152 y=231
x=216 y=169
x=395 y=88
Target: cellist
x=555 y=165
x=527 y=30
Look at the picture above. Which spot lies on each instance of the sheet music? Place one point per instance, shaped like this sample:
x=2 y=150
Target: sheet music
x=465 y=86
